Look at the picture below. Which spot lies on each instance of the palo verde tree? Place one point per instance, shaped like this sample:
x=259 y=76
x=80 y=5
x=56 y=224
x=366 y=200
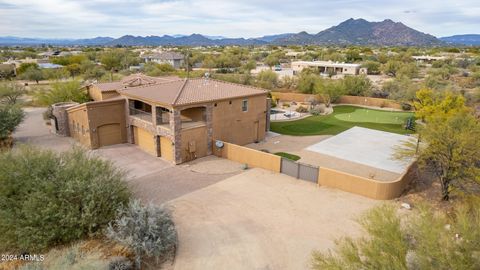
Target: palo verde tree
x=449 y=142
x=62 y=92
x=111 y=60
x=452 y=150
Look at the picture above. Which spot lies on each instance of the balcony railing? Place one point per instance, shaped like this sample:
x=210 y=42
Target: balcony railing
x=143 y=115
x=162 y=119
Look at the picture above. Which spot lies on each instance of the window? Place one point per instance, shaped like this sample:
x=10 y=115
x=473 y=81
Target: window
x=244 y=105
x=230 y=102
x=215 y=104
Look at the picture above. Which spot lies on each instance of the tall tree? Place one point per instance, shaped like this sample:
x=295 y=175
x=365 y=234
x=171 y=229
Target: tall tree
x=329 y=90
x=450 y=145
x=452 y=150
x=111 y=60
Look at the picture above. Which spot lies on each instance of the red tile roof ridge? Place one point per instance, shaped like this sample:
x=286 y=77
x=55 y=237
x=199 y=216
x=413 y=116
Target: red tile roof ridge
x=180 y=91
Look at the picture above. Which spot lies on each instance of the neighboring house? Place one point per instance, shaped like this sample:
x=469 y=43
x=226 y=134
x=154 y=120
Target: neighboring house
x=170 y=117
x=329 y=67
x=172 y=58
x=428 y=59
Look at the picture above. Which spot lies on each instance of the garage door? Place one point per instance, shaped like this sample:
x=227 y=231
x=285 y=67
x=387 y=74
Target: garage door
x=166 y=148
x=109 y=134
x=145 y=140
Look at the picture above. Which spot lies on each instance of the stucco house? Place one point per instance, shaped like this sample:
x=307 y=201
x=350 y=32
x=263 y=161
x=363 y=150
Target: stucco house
x=173 y=118
x=326 y=67
x=172 y=58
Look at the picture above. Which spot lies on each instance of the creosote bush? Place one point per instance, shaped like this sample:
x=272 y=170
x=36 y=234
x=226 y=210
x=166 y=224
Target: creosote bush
x=148 y=230
x=47 y=199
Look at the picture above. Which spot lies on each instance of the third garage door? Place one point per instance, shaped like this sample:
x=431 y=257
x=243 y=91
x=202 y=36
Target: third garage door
x=145 y=140
x=109 y=134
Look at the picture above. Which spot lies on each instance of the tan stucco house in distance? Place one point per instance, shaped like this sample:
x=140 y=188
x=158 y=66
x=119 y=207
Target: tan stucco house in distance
x=326 y=67
x=173 y=118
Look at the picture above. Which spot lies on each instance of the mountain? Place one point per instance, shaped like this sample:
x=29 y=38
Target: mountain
x=18 y=41
x=362 y=32
x=92 y=41
x=349 y=32
x=271 y=38
x=471 y=39
x=192 y=40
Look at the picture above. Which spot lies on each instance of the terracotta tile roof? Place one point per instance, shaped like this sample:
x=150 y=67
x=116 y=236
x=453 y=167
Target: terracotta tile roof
x=183 y=92
x=111 y=86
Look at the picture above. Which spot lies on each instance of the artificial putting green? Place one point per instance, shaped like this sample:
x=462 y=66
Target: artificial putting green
x=343 y=118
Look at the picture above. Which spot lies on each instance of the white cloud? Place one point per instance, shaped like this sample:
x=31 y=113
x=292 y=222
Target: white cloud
x=248 y=18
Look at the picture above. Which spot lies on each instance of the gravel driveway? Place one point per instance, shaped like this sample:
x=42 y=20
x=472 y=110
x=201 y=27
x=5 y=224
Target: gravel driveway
x=262 y=220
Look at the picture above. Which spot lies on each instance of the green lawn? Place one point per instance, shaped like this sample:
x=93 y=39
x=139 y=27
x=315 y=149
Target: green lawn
x=343 y=118
x=288 y=155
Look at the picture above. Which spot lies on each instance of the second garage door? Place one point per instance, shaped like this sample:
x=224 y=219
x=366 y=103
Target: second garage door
x=145 y=140
x=109 y=134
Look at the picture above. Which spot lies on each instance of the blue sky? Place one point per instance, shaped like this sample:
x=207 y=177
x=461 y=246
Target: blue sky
x=240 y=18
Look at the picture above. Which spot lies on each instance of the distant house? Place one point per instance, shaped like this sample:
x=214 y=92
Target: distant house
x=428 y=59
x=172 y=58
x=49 y=54
x=329 y=67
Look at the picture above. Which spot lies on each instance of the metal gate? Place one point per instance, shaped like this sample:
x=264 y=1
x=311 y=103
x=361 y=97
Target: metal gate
x=299 y=170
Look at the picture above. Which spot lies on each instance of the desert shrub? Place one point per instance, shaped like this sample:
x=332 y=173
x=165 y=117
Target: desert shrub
x=49 y=198
x=148 y=230
x=318 y=109
x=357 y=85
x=62 y=92
x=267 y=79
x=10 y=118
x=301 y=109
x=286 y=105
x=10 y=93
x=406 y=106
x=120 y=263
x=273 y=103
x=430 y=239
x=48 y=113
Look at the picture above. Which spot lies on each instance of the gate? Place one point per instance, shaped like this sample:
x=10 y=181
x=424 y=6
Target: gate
x=299 y=170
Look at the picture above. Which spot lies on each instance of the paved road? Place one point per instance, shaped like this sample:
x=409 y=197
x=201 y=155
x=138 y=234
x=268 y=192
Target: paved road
x=33 y=130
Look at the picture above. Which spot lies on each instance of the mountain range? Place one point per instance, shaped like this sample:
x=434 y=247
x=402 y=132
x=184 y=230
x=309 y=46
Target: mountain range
x=349 y=32
x=472 y=40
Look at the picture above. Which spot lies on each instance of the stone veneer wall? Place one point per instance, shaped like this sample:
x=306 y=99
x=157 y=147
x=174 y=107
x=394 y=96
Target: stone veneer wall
x=59 y=111
x=208 y=120
x=176 y=127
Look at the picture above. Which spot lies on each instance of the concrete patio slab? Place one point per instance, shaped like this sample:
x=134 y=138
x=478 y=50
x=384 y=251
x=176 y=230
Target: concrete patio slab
x=370 y=147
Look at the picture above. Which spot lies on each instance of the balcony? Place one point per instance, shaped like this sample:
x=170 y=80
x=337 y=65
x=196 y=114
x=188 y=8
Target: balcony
x=142 y=115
